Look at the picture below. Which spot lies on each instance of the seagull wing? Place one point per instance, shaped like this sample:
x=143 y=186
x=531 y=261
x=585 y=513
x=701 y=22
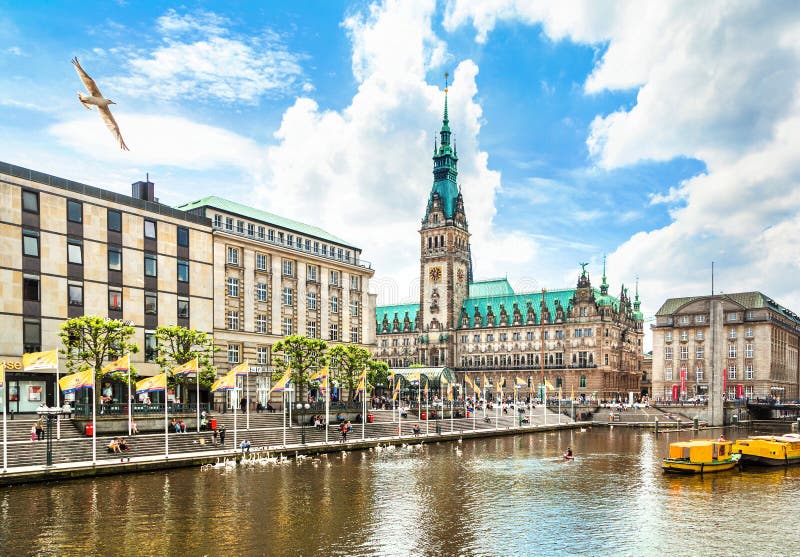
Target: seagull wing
x=88 y=82
x=108 y=118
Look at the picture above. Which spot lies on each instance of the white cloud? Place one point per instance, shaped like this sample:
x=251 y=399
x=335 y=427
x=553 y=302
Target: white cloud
x=157 y=140
x=201 y=58
x=716 y=82
x=367 y=169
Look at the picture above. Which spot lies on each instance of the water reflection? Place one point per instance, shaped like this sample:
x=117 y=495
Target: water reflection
x=503 y=496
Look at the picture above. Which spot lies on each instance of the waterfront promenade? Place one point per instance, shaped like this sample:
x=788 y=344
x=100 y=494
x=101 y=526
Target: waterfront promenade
x=72 y=454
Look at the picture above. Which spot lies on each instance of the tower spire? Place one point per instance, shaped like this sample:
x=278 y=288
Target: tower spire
x=604 y=284
x=445 y=120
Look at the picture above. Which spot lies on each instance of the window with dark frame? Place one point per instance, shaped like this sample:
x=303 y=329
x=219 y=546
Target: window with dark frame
x=75 y=294
x=114 y=221
x=31 y=335
x=30 y=201
x=150 y=303
x=149 y=229
x=183 y=236
x=183 y=308
x=30 y=289
x=30 y=243
x=114 y=258
x=150 y=265
x=74 y=211
x=115 y=300
x=75 y=252
x=183 y=270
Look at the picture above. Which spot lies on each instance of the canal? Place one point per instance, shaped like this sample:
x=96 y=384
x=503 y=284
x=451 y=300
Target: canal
x=499 y=496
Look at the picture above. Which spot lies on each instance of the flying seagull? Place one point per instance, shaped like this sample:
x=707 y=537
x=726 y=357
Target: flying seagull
x=96 y=98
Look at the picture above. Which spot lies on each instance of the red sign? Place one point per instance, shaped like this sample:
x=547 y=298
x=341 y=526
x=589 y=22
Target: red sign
x=683 y=380
x=675 y=392
x=739 y=391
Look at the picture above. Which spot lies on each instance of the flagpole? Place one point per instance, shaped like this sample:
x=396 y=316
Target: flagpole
x=399 y=413
x=166 y=417
x=364 y=413
x=427 y=409
x=247 y=395
x=58 y=401
x=5 y=403
x=283 y=404
x=130 y=396
x=544 y=387
x=197 y=393
x=235 y=404
x=327 y=381
x=94 y=417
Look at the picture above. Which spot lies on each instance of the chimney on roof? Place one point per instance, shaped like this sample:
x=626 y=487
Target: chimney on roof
x=144 y=190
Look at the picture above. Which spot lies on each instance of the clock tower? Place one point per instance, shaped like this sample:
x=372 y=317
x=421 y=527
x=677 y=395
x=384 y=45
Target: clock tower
x=444 y=255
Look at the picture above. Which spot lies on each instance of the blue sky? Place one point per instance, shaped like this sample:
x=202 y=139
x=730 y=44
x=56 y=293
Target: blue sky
x=659 y=135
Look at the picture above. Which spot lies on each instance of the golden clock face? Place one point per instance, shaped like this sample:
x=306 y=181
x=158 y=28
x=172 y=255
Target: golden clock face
x=435 y=274
x=460 y=275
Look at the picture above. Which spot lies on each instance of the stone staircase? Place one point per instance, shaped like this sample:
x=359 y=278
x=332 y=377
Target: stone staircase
x=266 y=430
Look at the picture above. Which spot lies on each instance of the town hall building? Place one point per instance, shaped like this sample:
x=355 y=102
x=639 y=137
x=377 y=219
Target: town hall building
x=581 y=339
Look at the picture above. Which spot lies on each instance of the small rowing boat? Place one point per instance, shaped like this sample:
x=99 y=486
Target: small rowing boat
x=701 y=456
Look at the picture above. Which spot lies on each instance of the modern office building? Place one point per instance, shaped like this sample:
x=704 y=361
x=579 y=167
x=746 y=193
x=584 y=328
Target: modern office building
x=247 y=276
x=581 y=339
x=751 y=343
x=69 y=249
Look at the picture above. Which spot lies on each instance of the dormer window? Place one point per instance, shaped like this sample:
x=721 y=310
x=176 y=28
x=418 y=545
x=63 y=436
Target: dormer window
x=435 y=218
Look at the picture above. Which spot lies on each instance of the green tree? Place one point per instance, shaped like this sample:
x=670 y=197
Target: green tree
x=91 y=341
x=349 y=360
x=178 y=345
x=304 y=355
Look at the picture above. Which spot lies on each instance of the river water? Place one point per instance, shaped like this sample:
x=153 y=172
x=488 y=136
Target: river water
x=501 y=496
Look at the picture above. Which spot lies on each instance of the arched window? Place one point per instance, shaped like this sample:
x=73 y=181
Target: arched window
x=430 y=242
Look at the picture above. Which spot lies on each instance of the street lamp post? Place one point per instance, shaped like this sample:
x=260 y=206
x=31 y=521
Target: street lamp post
x=304 y=407
x=50 y=413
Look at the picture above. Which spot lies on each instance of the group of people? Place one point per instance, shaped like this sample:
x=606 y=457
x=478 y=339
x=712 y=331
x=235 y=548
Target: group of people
x=318 y=421
x=218 y=435
x=37 y=430
x=178 y=426
x=345 y=427
x=120 y=446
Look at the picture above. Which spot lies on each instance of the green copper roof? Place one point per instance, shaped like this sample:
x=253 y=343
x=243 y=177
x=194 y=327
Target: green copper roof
x=445 y=170
x=491 y=287
x=263 y=216
x=400 y=310
x=508 y=301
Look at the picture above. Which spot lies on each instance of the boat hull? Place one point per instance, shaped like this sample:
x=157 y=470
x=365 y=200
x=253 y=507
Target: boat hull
x=678 y=466
x=756 y=460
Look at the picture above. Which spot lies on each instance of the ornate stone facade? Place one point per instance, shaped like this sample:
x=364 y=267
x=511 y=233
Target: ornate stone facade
x=581 y=339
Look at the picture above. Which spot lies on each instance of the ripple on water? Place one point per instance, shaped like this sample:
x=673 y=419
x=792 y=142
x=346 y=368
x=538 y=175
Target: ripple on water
x=502 y=496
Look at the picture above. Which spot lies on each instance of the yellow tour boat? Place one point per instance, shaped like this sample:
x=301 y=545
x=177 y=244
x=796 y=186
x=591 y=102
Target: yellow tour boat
x=701 y=456
x=769 y=450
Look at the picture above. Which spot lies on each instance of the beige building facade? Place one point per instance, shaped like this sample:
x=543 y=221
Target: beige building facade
x=275 y=277
x=69 y=249
x=747 y=348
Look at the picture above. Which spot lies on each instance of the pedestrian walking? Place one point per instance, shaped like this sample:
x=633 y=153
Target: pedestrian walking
x=39 y=430
x=34 y=437
x=214 y=436
x=222 y=435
